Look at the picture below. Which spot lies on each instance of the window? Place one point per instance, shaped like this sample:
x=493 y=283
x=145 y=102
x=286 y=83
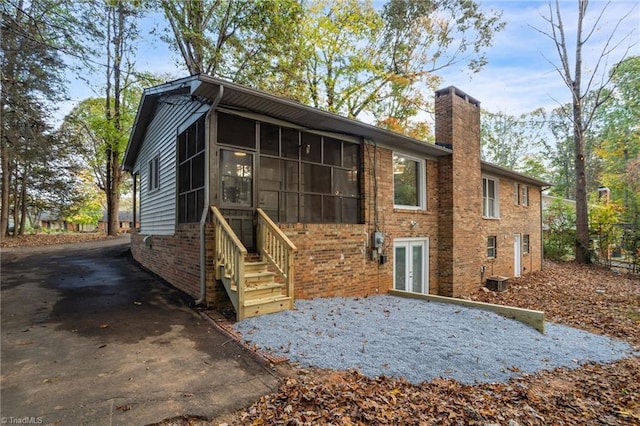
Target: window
x=307 y=177
x=491 y=247
x=489 y=197
x=191 y=172
x=520 y=194
x=525 y=243
x=153 y=170
x=408 y=182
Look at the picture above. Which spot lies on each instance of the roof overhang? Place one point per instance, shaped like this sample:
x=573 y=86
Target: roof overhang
x=241 y=98
x=500 y=171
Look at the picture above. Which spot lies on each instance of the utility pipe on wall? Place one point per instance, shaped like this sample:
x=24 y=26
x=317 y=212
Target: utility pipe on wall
x=205 y=212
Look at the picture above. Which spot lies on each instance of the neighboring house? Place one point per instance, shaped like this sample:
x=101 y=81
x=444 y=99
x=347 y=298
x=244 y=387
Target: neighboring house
x=52 y=221
x=333 y=206
x=125 y=221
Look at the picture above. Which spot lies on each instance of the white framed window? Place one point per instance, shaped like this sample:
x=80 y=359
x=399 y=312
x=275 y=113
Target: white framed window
x=524 y=198
x=492 y=249
x=153 y=173
x=490 y=205
x=409 y=182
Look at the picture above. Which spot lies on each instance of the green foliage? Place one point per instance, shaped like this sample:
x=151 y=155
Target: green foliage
x=511 y=141
x=559 y=218
x=619 y=150
x=604 y=218
x=341 y=56
x=88 y=207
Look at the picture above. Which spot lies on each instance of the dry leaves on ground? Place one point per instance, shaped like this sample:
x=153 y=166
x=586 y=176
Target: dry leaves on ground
x=34 y=240
x=592 y=394
x=588 y=297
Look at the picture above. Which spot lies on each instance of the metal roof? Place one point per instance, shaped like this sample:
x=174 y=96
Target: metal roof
x=243 y=98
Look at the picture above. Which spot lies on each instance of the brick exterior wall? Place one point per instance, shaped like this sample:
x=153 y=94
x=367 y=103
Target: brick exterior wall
x=514 y=219
x=460 y=192
x=335 y=259
x=176 y=259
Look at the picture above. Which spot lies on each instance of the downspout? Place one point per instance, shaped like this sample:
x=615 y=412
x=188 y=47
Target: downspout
x=205 y=212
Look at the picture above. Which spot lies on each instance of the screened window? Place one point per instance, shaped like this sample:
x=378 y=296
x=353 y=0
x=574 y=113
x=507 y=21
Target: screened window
x=525 y=195
x=491 y=247
x=489 y=197
x=306 y=177
x=153 y=173
x=408 y=182
x=191 y=172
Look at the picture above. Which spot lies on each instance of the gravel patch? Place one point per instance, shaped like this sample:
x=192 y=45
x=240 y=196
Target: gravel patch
x=420 y=340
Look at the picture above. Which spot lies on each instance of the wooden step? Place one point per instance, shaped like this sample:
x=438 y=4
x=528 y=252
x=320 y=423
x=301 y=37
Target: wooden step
x=252 y=279
x=250 y=267
x=263 y=290
x=267 y=305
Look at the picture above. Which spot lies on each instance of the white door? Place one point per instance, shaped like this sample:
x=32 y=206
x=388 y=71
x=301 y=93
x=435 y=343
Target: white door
x=410 y=265
x=517 y=255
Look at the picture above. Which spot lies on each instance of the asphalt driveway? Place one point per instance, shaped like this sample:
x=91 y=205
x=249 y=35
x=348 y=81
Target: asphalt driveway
x=90 y=338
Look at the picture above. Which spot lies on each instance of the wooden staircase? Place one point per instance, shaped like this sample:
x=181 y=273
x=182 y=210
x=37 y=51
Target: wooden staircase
x=252 y=288
x=262 y=295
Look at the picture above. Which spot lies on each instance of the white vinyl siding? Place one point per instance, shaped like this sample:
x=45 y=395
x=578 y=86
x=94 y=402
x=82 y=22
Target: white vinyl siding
x=158 y=207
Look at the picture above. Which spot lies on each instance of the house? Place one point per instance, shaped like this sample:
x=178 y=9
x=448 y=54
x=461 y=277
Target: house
x=331 y=206
x=53 y=221
x=125 y=221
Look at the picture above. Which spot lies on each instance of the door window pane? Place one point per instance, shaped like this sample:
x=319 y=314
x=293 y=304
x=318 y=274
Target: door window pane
x=401 y=267
x=416 y=268
x=237 y=178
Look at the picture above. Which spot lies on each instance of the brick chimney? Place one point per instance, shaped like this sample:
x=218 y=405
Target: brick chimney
x=461 y=245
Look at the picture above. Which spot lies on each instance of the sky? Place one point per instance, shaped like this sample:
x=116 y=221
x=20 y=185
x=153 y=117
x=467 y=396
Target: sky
x=520 y=75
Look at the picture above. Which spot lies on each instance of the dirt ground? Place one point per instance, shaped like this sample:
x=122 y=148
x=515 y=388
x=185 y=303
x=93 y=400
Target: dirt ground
x=590 y=298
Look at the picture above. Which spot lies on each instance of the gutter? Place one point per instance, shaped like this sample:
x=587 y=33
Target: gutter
x=205 y=212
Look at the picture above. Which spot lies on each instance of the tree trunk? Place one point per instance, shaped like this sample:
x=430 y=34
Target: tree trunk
x=23 y=201
x=582 y=212
x=4 y=209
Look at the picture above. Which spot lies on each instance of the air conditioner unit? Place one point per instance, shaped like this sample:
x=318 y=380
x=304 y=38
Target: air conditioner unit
x=497 y=283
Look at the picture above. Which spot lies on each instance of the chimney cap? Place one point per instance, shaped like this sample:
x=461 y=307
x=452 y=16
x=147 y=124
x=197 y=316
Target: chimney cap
x=454 y=90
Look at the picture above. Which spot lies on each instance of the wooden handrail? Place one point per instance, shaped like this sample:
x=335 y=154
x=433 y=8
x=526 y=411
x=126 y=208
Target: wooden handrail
x=276 y=248
x=230 y=254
